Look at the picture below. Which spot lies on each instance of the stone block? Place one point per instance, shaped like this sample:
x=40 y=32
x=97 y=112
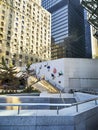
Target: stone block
x=17 y=128
x=54 y=120
x=18 y=120
x=55 y=127
x=80 y=126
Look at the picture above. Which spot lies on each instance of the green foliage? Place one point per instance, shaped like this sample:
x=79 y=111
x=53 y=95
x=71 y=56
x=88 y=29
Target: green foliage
x=8 y=75
x=27 y=73
x=28 y=67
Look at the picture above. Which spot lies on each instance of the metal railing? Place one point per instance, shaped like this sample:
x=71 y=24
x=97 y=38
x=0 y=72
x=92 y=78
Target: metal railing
x=19 y=105
x=85 y=101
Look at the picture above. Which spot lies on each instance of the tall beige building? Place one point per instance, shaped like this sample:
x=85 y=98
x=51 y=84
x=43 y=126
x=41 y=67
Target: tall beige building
x=25 y=31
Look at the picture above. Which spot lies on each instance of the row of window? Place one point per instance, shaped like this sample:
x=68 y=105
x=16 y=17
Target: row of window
x=63 y=24
x=60 y=33
x=21 y=56
x=49 y=3
x=36 y=13
x=56 y=18
x=61 y=37
x=20 y=62
x=60 y=11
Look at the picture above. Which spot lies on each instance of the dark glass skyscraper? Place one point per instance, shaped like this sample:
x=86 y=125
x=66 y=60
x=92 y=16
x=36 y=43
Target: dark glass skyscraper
x=68 y=28
x=87 y=36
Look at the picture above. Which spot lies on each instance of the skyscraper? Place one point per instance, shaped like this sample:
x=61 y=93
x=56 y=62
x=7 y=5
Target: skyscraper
x=87 y=36
x=25 y=29
x=68 y=27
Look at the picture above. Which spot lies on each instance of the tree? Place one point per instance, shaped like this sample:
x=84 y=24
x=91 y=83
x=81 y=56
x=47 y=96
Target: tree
x=29 y=76
x=8 y=75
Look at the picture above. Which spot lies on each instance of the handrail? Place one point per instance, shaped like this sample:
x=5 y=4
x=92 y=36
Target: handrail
x=49 y=104
x=34 y=104
x=78 y=103
x=85 y=101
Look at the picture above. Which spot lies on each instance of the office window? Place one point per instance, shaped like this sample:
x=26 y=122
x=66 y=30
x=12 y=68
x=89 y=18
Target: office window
x=7 y=44
x=2 y=23
x=26 y=57
x=20 y=56
x=0 y=41
x=13 y=62
x=16 y=24
x=7 y=52
x=9 y=32
x=3 y=11
x=31 y=59
x=8 y=38
x=1 y=35
x=7 y=61
x=2 y=17
x=20 y=63
x=16 y=19
x=0 y=50
x=1 y=29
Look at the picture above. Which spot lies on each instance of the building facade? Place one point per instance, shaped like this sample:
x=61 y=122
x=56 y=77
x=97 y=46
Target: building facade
x=92 y=9
x=88 y=46
x=57 y=51
x=25 y=31
x=68 y=26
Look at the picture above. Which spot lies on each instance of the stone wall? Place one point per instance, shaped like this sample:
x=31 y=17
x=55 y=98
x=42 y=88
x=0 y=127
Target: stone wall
x=69 y=73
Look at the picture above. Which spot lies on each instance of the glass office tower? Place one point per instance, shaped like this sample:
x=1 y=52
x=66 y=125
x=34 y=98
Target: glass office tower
x=68 y=28
x=87 y=36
